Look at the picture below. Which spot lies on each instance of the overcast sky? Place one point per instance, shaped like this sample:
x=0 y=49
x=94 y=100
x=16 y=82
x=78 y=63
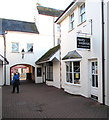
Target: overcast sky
x=58 y=4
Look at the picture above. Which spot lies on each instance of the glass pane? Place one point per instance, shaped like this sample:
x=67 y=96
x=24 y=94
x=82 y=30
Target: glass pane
x=96 y=80
x=76 y=66
x=76 y=76
x=30 y=47
x=69 y=77
x=70 y=66
x=93 y=81
x=15 y=47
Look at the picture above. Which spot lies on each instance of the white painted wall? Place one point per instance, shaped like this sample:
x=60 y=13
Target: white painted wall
x=56 y=74
x=68 y=43
x=1 y=59
x=106 y=17
x=40 y=46
x=1 y=73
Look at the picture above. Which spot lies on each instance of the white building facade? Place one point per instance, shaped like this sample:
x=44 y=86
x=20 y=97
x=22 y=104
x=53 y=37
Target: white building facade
x=48 y=65
x=106 y=37
x=81 y=48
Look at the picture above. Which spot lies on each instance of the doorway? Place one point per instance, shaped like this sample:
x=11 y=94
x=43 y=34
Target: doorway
x=94 y=79
x=27 y=72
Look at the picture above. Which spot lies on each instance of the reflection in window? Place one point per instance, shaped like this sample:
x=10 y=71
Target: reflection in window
x=82 y=13
x=72 y=21
x=73 y=72
x=30 y=47
x=15 y=47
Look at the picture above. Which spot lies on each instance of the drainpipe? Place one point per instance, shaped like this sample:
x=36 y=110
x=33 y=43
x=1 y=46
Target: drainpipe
x=53 y=31
x=103 y=54
x=4 y=37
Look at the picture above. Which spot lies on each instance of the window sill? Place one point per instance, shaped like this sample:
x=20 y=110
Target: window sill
x=81 y=23
x=71 y=30
x=72 y=84
x=15 y=52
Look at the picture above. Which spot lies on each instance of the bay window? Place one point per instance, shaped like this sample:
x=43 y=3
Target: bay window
x=73 y=72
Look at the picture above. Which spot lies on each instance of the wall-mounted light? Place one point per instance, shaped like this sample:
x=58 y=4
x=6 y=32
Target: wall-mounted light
x=23 y=51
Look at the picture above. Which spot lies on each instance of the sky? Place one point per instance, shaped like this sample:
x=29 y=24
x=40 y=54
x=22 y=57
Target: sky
x=58 y=4
x=25 y=9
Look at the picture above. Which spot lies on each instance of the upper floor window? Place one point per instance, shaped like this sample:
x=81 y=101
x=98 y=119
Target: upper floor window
x=15 y=47
x=71 y=21
x=58 y=27
x=29 y=47
x=73 y=72
x=82 y=13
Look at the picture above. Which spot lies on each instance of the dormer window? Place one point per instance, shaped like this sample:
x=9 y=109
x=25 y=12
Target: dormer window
x=82 y=13
x=72 y=21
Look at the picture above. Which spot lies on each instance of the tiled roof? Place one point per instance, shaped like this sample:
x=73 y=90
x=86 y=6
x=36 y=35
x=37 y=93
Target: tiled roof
x=72 y=55
x=48 y=54
x=16 y=25
x=49 y=11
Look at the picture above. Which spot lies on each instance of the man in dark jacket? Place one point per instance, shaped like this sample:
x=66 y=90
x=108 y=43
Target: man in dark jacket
x=16 y=82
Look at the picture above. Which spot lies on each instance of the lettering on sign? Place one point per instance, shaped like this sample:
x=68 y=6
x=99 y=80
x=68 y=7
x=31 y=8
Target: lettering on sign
x=83 y=43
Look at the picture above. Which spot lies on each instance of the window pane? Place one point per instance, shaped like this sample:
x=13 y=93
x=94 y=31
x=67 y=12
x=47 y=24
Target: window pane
x=96 y=80
x=30 y=47
x=15 y=47
x=69 y=77
x=93 y=81
x=72 y=21
x=76 y=70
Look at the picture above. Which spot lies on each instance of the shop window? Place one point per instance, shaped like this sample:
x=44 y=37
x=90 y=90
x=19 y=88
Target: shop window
x=39 y=72
x=29 y=47
x=73 y=72
x=15 y=47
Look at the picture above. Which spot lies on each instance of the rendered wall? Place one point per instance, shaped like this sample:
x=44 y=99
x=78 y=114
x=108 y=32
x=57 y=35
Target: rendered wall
x=68 y=43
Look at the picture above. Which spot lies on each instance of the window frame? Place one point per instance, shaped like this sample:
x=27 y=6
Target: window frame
x=12 y=50
x=72 y=73
x=81 y=14
x=30 y=48
x=71 y=21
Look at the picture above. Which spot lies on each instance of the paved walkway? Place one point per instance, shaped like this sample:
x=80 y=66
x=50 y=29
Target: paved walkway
x=42 y=101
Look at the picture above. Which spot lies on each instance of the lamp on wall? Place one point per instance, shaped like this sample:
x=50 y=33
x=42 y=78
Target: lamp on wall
x=23 y=51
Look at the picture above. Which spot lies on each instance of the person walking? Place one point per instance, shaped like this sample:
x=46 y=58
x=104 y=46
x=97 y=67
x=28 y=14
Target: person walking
x=16 y=82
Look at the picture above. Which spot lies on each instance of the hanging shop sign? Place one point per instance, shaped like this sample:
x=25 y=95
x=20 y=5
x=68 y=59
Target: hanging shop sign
x=83 y=43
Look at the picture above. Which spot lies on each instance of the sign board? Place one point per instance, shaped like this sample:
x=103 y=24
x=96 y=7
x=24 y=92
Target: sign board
x=83 y=43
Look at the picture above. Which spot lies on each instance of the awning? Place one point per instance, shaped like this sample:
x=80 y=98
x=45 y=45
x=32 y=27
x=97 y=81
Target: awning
x=72 y=55
x=4 y=60
x=49 y=55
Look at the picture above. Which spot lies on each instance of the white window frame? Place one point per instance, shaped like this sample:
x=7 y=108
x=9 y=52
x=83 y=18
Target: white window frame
x=12 y=49
x=72 y=81
x=71 y=21
x=28 y=49
x=82 y=12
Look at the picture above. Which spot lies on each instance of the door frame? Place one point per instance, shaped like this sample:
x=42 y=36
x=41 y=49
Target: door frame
x=90 y=79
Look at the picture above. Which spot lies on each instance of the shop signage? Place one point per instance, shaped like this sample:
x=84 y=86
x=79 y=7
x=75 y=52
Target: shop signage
x=83 y=43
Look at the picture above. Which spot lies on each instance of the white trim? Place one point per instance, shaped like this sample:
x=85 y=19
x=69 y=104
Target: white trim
x=72 y=84
x=72 y=60
x=76 y=4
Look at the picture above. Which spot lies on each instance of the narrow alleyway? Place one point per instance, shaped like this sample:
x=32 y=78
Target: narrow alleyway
x=42 y=101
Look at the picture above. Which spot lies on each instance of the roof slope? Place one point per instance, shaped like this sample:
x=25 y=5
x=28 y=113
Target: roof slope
x=21 y=26
x=72 y=55
x=49 y=11
x=48 y=54
x=65 y=11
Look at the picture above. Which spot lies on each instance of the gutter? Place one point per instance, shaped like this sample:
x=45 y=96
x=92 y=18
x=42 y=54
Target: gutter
x=103 y=54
